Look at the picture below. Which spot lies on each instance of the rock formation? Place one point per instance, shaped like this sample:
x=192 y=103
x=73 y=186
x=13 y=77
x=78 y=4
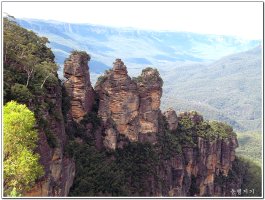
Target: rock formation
x=130 y=112
x=149 y=84
x=59 y=170
x=78 y=84
x=195 y=170
x=172 y=119
x=129 y=108
x=118 y=104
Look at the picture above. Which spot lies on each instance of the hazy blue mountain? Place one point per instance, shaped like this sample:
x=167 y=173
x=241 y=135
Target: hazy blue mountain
x=228 y=89
x=195 y=78
x=135 y=47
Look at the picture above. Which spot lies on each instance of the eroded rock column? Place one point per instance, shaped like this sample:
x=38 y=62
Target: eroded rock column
x=78 y=84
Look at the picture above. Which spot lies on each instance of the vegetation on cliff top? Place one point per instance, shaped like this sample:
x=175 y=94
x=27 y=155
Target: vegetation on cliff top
x=83 y=54
x=149 y=76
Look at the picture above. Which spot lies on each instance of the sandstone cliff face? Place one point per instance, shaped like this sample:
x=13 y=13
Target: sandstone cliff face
x=128 y=108
x=171 y=118
x=118 y=105
x=59 y=170
x=195 y=170
x=78 y=84
x=149 y=85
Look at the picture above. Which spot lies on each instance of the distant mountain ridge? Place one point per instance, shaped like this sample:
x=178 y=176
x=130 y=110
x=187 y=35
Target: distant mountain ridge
x=135 y=47
x=228 y=89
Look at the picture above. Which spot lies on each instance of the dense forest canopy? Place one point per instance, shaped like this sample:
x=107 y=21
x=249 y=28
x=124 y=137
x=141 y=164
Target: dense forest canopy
x=28 y=63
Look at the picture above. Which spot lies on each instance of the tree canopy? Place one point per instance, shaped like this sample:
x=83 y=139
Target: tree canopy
x=27 y=61
x=21 y=163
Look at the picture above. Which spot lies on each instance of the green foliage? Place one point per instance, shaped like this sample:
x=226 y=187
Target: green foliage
x=30 y=73
x=96 y=175
x=168 y=142
x=169 y=145
x=101 y=79
x=46 y=71
x=21 y=164
x=66 y=103
x=92 y=118
x=186 y=132
x=222 y=130
x=27 y=61
x=250 y=146
x=21 y=93
x=119 y=173
x=204 y=130
x=248 y=171
x=138 y=160
x=252 y=179
x=154 y=78
x=82 y=53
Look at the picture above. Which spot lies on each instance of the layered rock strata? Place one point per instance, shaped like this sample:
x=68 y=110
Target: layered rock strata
x=172 y=119
x=149 y=85
x=129 y=108
x=78 y=85
x=194 y=172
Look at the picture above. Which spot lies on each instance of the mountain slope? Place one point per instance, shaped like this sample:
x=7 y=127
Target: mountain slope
x=228 y=89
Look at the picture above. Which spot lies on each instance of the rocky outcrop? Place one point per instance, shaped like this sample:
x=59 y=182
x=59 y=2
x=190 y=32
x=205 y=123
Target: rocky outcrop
x=149 y=84
x=59 y=170
x=78 y=84
x=195 y=171
x=129 y=108
x=130 y=112
x=118 y=104
x=172 y=119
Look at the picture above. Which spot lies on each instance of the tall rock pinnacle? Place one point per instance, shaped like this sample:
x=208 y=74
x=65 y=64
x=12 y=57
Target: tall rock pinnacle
x=129 y=108
x=78 y=84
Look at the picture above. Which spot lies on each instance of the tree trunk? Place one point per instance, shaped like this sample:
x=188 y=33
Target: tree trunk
x=44 y=81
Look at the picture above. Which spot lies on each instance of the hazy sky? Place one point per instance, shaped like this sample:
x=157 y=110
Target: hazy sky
x=243 y=19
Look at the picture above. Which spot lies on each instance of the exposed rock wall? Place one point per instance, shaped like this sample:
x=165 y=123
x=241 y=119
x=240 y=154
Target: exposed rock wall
x=78 y=84
x=171 y=118
x=127 y=107
x=193 y=173
x=149 y=84
x=59 y=170
x=118 y=106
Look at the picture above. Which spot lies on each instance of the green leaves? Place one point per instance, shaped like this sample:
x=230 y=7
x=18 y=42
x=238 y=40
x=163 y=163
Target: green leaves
x=21 y=93
x=27 y=61
x=96 y=174
x=21 y=164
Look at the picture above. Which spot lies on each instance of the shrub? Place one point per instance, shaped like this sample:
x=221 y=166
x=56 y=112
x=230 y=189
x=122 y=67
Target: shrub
x=92 y=118
x=101 y=79
x=20 y=93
